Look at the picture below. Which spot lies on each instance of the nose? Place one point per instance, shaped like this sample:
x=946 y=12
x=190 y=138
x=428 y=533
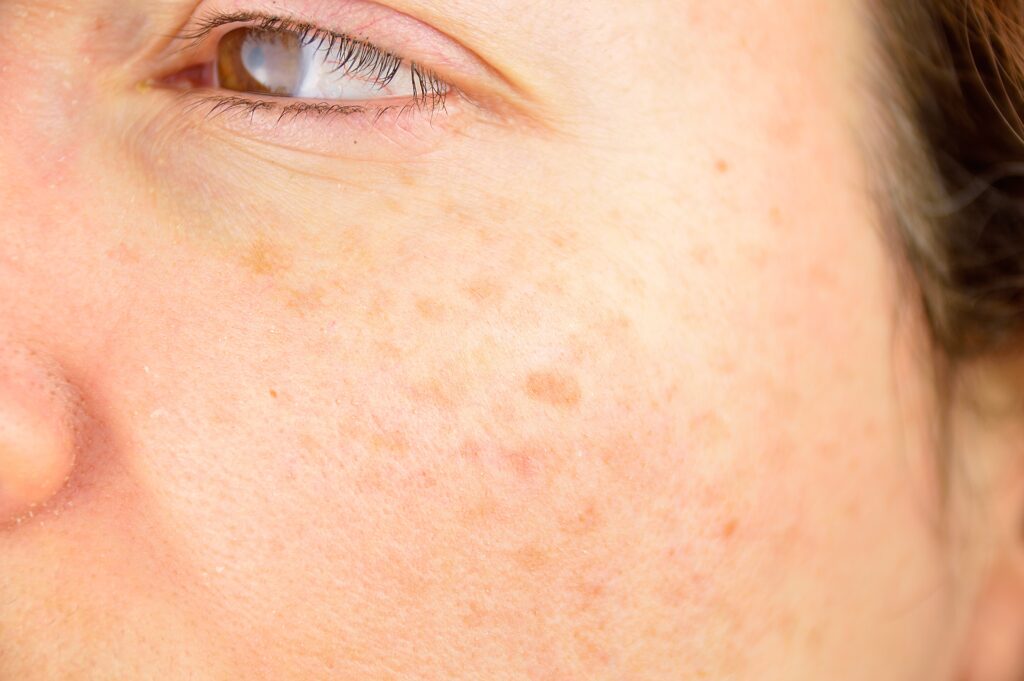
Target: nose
x=39 y=418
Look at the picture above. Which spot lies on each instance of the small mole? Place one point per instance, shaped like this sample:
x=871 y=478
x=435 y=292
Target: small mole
x=554 y=389
x=273 y=393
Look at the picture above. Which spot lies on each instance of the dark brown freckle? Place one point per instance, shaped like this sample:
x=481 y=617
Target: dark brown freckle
x=721 y=166
x=554 y=388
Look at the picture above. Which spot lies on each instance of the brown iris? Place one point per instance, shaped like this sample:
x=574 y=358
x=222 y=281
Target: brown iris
x=260 y=61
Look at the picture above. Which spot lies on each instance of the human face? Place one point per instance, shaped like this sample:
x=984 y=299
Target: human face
x=591 y=373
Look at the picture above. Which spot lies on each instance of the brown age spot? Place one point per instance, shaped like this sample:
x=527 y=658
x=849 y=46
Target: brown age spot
x=730 y=528
x=263 y=258
x=707 y=428
x=483 y=291
x=390 y=440
x=430 y=309
x=307 y=300
x=554 y=388
x=583 y=522
x=531 y=558
x=522 y=462
x=124 y=254
x=406 y=179
x=476 y=615
x=309 y=443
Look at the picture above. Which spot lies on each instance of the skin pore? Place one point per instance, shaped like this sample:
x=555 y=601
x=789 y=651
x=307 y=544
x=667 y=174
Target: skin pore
x=603 y=372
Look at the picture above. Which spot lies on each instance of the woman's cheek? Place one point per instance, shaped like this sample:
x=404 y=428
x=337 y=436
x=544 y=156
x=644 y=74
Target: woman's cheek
x=467 y=447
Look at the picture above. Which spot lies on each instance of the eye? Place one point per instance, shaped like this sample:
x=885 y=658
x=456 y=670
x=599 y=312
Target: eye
x=360 y=81
x=314 y=65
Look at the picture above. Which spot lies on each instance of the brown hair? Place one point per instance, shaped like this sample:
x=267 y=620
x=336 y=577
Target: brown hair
x=953 y=104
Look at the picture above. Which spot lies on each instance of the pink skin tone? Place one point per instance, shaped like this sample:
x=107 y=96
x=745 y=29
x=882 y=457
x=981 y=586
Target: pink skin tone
x=596 y=376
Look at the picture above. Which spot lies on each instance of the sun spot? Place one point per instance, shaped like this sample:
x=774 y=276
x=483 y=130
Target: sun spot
x=263 y=258
x=532 y=558
x=583 y=522
x=430 y=309
x=483 y=291
x=708 y=427
x=390 y=440
x=554 y=388
x=730 y=528
x=476 y=615
x=309 y=443
x=521 y=462
x=124 y=254
x=306 y=301
x=406 y=179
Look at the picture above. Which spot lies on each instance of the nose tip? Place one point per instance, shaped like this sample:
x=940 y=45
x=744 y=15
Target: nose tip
x=38 y=423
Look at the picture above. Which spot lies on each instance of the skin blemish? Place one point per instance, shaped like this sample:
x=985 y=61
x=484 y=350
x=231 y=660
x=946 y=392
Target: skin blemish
x=306 y=300
x=721 y=166
x=554 y=388
x=126 y=255
x=531 y=558
x=730 y=529
x=521 y=462
x=264 y=259
x=430 y=309
x=583 y=522
x=273 y=394
x=482 y=291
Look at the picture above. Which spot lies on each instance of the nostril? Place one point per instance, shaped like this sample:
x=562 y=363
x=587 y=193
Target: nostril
x=38 y=417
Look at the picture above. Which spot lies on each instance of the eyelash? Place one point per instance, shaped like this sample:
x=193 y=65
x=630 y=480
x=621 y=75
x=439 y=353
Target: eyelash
x=357 y=57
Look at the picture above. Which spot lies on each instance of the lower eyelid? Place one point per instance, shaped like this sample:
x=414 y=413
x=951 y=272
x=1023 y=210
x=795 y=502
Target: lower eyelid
x=368 y=131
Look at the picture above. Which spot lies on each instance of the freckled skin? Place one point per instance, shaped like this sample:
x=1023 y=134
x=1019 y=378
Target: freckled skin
x=553 y=388
x=557 y=398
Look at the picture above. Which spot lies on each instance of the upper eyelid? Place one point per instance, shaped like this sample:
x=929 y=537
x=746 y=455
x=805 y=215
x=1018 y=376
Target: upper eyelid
x=199 y=31
x=211 y=22
x=308 y=34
